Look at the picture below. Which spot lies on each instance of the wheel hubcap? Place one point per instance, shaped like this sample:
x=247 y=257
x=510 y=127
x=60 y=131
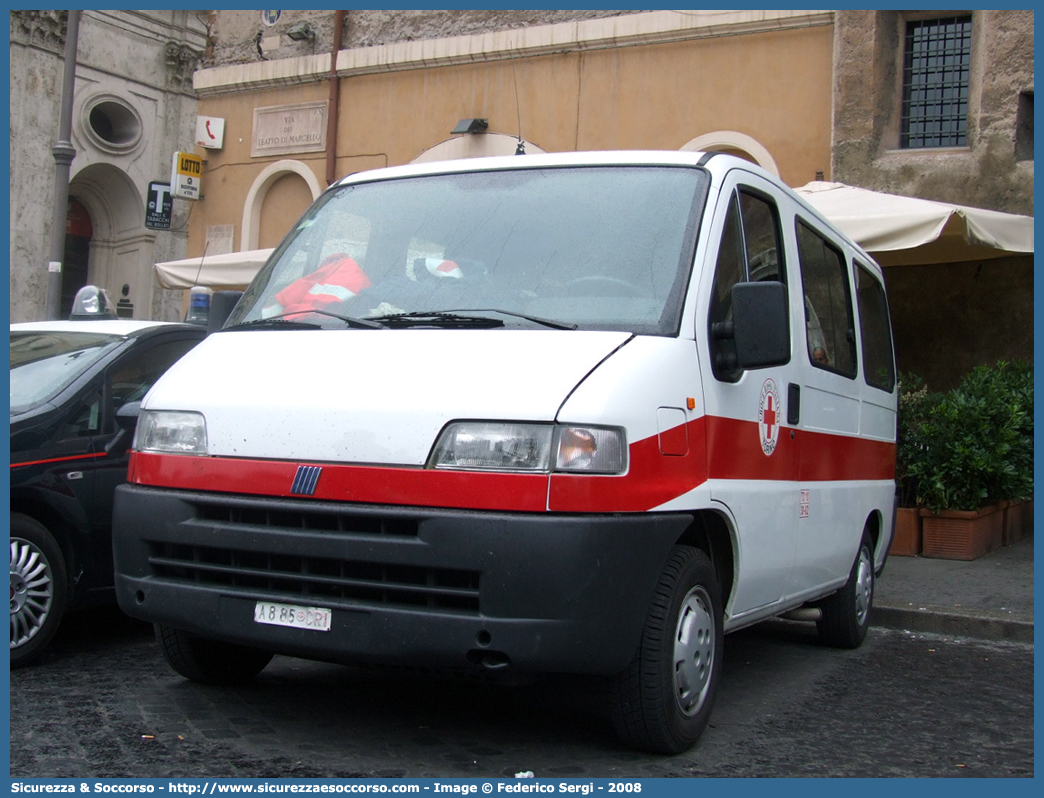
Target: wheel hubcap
x=32 y=591
x=693 y=651
x=864 y=586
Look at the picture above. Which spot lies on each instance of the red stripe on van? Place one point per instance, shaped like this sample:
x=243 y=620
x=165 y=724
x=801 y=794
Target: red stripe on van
x=352 y=483
x=735 y=452
x=652 y=478
x=718 y=448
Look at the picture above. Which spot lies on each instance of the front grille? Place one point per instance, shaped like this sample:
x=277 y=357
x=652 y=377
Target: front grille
x=289 y=517
x=317 y=578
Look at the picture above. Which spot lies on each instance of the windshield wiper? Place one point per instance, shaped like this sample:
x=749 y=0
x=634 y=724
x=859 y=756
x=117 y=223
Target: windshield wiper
x=438 y=318
x=465 y=318
x=557 y=325
x=282 y=321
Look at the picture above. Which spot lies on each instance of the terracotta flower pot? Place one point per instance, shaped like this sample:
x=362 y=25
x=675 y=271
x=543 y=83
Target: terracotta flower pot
x=961 y=534
x=906 y=542
x=1018 y=521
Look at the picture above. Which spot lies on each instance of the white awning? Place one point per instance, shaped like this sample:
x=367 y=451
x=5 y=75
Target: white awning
x=230 y=271
x=906 y=231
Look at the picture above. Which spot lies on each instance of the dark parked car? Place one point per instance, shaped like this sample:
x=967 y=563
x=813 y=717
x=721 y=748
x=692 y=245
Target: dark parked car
x=69 y=379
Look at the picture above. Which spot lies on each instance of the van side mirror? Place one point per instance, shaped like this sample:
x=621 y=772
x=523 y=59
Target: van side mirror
x=761 y=326
x=221 y=305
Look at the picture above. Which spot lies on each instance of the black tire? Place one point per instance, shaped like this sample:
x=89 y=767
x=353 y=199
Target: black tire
x=662 y=701
x=210 y=661
x=846 y=613
x=39 y=588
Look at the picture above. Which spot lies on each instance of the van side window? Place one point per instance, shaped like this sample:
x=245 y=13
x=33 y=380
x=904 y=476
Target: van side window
x=749 y=251
x=875 y=333
x=829 y=327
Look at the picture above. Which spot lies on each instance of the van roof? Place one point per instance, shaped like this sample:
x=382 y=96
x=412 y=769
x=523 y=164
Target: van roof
x=716 y=163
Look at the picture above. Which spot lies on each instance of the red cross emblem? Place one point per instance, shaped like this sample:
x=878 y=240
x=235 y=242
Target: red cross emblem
x=768 y=417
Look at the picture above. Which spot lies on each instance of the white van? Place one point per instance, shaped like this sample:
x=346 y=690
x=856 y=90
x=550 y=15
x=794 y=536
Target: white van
x=554 y=413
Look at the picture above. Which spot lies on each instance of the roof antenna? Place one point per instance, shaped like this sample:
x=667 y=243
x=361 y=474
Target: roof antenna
x=206 y=246
x=520 y=149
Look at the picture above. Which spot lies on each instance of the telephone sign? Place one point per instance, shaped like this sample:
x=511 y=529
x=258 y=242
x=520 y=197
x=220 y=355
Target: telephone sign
x=186 y=176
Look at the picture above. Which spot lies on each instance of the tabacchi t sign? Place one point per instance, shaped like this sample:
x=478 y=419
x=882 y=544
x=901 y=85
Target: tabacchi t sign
x=186 y=176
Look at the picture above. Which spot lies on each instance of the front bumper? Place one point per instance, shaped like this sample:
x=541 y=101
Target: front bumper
x=407 y=586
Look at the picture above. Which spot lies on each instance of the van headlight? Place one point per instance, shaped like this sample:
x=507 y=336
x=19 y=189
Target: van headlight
x=539 y=448
x=171 y=432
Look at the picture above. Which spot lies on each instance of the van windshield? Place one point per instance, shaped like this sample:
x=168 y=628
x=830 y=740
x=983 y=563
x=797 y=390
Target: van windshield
x=598 y=248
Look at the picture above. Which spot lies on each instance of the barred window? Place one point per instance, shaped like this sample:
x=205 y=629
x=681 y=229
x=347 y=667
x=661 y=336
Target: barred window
x=936 y=66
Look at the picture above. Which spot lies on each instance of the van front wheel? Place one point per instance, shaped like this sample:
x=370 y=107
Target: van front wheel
x=846 y=613
x=662 y=701
x=209 y=661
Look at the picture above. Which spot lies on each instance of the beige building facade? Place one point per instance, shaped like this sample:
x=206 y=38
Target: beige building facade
x=754 y=83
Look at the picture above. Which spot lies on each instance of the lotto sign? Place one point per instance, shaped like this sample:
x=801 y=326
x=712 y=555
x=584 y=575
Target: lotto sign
x=186 y=176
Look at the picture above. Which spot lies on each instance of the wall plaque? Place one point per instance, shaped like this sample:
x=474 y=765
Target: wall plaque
x=288 y=129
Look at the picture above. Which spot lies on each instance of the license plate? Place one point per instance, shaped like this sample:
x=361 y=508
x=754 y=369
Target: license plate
x=316 y=618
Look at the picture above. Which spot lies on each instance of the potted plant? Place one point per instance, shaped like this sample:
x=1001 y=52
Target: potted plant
x=1010 y=385
x=974 y=457
x=915 y=406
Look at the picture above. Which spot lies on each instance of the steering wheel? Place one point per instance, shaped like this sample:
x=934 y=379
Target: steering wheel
x=611 y=286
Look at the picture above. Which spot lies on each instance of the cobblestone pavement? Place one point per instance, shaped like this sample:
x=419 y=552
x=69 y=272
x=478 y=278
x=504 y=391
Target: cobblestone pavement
x=104 y=704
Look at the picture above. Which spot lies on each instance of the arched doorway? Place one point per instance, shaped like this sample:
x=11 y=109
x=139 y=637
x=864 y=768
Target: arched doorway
x=286 y=201
x=278 y=216
x=78 y=233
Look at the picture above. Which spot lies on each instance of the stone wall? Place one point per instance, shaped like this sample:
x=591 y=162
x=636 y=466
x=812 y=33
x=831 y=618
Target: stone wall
x=141 y=64
x=868 y=53
x=234 y=35
x=948 y=318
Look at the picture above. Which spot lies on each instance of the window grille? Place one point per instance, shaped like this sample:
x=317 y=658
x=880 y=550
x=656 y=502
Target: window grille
x=936 y=66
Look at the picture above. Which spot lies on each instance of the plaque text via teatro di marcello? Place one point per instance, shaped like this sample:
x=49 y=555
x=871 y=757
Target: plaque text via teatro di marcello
x=287 y=129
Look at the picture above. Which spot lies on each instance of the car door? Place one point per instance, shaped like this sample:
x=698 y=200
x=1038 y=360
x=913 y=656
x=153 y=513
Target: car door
x=127 y=379
x=827 y=412
x=752 y=459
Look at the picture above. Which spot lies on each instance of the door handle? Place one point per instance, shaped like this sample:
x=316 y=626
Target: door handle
x=793 y=404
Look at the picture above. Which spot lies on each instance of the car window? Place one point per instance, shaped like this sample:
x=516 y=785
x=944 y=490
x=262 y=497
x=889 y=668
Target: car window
x=131 y=377
x=749 y=251
x=85 y=418
x=45 y=362
x=830 y=331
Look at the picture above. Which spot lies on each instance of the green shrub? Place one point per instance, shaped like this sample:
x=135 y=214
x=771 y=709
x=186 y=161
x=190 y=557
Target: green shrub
x=974 y=444
x=915 y=410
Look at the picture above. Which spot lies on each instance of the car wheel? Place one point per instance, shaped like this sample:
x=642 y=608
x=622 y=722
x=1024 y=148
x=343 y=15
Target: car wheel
x=662 y=701
x=210 y=661
x=39 y=588
x=846 y=613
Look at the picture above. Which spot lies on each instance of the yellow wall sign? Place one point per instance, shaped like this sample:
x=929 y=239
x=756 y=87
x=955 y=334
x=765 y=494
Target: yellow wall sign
x=186 y=176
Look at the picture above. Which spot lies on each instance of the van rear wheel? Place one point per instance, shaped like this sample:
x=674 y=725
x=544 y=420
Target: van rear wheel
x=662 y=701
x=846 y=613
x=210 y=661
